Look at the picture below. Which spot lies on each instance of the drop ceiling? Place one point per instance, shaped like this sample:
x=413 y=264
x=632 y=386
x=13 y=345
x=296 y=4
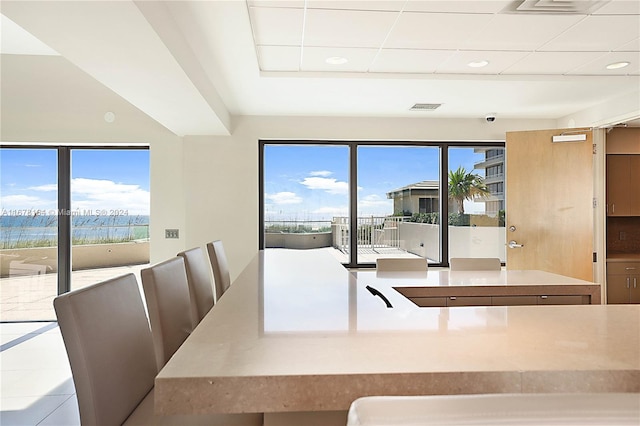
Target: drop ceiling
x=193 y=65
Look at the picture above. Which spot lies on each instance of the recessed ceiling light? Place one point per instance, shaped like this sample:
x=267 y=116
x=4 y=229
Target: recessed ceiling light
x=478 y=64
x=336 y=60
x=617 y=65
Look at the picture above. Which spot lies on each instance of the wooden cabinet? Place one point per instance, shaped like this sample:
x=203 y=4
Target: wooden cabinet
x=623 y=282
x=441 y=302
x=623 y=185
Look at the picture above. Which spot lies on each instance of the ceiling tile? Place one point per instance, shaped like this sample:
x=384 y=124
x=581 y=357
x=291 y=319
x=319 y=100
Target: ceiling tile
x=632 y=46
x=347 y=28
x=498 y=61
x=598 y=66
x=433 y=30
x=519 y=31
x=619 y=7
x=299 y=4
x=279 y=58
x=448 y=6
x=277 y=26
x=314 y=59
x=391 y=5
x=594 y=34
x=546 y=63
x=409 y=60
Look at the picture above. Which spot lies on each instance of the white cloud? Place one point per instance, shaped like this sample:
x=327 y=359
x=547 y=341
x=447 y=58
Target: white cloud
x=95 y=194
x=26 y=202
x=330 y=185
x=88 y=195
x=322 y=173
x=284 y=198
x=45 y=188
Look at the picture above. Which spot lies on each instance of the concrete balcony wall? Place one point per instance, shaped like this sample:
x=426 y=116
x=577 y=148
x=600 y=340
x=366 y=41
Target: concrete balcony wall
x=40 y=260
x=298 y=240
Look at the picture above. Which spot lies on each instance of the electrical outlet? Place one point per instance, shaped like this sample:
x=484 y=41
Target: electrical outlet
x=623 y=235
x=171 y=233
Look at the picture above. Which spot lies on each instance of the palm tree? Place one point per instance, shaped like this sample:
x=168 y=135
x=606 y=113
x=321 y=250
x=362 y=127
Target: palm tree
x=466 y=186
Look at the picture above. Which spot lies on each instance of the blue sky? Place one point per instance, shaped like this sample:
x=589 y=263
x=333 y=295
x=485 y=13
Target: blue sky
x=311 y=182
x=101 y=180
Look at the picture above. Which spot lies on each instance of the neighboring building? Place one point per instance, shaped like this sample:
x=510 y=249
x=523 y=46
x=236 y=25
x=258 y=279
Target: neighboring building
x=493 y=165
x=420 y=197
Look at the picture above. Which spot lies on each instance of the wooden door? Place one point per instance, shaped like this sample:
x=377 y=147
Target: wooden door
x=549 y=200
x=618 y=185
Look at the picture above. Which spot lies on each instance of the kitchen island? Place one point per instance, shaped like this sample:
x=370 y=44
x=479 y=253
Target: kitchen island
x=297 y=332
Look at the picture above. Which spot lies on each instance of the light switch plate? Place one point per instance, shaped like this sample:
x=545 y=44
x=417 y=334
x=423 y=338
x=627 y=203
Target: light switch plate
x=171 y=233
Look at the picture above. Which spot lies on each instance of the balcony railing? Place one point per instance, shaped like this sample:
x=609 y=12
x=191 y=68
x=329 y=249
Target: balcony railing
x=372 y=231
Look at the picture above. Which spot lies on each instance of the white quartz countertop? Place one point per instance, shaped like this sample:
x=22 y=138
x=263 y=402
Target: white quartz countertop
x=298 y=332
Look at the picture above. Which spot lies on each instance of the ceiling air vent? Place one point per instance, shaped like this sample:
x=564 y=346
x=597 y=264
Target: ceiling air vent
x=579 y=7
x=425 y=107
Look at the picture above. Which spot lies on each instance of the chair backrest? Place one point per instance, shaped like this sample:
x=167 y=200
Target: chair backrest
x=110 y=348
x=200 y=282
x=167 y=294
x=475 y=264
x=400 y=264
x=220 y=267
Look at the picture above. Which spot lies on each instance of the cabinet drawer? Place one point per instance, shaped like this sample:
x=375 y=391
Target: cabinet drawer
x=513 y=300
x=469 y=301
x=563 y=300
x=622 y=268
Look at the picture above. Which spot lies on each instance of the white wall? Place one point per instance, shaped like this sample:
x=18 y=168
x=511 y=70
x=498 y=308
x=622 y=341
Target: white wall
x=47 y=99
x=221 y=172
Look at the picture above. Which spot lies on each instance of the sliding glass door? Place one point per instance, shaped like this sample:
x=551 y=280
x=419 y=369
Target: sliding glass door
x=29 y=233
x=109 y=212
x=70 y=215
x=477 y=213
x=398 y=202
x=306 y=197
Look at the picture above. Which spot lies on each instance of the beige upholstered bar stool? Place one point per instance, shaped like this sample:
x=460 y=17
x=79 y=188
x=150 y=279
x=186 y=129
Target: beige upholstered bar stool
x=401 y=264
x=604 y=409
x=220 y=267
x=200 y=282
x=475 y=264
x=169 y=305
x=111 y=353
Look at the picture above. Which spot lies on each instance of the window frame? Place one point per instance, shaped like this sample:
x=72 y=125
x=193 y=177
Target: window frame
x=64 y=197
x=353 y=184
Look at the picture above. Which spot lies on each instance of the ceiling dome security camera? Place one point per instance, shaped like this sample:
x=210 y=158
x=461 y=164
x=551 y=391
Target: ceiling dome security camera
x=491 y=117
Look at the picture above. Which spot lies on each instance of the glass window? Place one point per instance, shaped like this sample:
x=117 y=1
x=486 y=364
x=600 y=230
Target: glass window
x=389 y=196
x=306 y=197
x=476 y=196
x=29 y=233
x=104 y=197
x=110 y=209
x=397 y=189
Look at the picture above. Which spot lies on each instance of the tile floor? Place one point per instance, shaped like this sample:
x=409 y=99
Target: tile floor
x=36 y=387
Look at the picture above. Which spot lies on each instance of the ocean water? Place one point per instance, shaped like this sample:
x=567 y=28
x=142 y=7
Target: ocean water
x=91 y=227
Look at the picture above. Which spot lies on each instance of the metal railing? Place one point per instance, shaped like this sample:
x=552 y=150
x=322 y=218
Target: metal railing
x=372 y=231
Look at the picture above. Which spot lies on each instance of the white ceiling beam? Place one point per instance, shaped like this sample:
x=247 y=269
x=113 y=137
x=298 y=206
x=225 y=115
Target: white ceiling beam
x=115 y=44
